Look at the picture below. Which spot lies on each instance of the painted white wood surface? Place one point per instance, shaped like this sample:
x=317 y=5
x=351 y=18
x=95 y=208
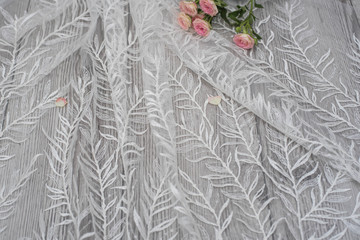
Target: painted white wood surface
x=33 y=198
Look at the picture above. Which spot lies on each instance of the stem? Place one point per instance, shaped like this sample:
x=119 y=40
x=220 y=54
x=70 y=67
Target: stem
x=248 y=26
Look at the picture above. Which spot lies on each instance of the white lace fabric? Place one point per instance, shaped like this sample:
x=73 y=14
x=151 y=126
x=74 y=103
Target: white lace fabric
x=140 y=153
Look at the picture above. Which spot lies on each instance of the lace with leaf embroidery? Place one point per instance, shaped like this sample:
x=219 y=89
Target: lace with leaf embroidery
x=140 y=153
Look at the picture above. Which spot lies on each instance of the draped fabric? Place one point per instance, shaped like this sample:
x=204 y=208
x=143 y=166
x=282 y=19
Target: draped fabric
x=140 y=153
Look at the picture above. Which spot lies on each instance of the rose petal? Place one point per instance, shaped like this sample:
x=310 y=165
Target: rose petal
x=189 y=7
x=214 y=100
x=201 y=27
x=184 y=21
x=208 y=7
x=60 y=102
x=243 y=40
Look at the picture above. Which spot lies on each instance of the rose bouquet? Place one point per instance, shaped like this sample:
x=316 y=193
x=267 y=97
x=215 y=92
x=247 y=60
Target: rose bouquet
x=199 y=14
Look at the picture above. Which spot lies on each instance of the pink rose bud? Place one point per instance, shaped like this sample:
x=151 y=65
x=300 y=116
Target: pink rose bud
x=244 y=40
x=184 y=21
x=190 y=8
x=202 y=27
x=208 y=7
x=201 y=16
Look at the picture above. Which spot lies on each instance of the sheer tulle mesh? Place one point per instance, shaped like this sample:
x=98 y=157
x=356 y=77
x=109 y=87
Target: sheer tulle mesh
x=139 y=153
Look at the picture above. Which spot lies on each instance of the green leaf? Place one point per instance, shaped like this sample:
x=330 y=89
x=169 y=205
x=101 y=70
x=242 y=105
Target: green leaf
x=242 y=12
x=257 y=36
x=223 y=14
x=235 y=19
x=220 y=3
x=234 y=13
x=251 y=20
x=258 y=5
x=237 y=15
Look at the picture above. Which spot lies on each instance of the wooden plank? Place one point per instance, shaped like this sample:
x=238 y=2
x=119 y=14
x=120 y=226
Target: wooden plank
x=320 y=15
x=356 y=5
x=34 y=197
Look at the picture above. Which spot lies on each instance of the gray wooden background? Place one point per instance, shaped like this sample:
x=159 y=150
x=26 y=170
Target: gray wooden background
x=22 y=223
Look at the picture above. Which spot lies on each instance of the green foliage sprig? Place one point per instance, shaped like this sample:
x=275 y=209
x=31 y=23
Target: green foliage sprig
x=200 y=13
x=242 y=19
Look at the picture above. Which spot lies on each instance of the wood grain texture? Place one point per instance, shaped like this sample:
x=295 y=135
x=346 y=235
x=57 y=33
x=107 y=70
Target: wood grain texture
x=26 y=217
x=356 y=5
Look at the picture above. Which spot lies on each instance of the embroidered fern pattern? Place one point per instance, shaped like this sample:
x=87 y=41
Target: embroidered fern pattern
x=139 y=151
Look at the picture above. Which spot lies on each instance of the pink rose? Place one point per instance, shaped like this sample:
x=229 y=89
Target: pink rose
x=208 y=7
x=244 y=40
x=190 y=8
x=184 y=21
x=201 y=16
x=202 y=27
